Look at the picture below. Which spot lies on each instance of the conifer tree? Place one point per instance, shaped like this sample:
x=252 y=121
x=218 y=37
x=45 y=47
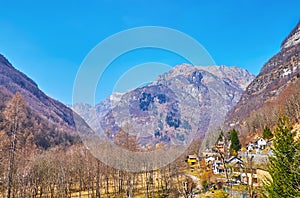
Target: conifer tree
x=235 y=144
x=267 y=133
x=284 y=166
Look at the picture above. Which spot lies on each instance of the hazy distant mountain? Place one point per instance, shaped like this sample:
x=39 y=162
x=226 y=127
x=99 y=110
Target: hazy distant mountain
x=184 y=101
x=277 y=81
x=55 y=119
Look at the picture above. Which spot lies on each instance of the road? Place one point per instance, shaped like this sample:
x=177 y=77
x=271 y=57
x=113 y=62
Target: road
x=195 y=179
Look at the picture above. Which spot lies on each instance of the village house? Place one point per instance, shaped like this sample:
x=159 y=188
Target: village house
x=233 y=161
x=250 y=147
x=235 y=167
x=257 y=145
x=260 y=143
x=218 y=167
x=209 y=160
x=192 y=160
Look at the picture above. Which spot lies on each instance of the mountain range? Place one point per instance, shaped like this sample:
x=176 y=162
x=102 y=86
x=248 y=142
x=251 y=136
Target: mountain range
x=179 y=106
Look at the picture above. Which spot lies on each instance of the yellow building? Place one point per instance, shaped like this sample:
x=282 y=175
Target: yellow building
x=192 y=160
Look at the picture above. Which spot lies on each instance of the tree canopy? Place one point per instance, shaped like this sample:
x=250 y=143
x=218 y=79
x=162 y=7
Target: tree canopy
x=267 y=133
x=235 y=144
x=284 y=166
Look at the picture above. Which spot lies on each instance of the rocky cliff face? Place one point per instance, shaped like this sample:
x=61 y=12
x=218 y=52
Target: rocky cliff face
x=293 y=38
x=183 y=103
x=280 y=72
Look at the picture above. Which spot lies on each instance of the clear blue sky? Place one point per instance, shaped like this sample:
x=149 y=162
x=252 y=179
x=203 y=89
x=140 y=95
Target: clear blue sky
x=48 y=40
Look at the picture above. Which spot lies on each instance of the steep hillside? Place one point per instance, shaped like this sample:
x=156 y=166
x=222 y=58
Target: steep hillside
x=276 y=83
x=54 y=117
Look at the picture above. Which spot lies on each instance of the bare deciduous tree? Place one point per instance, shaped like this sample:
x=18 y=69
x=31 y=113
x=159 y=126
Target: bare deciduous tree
x=15 y=116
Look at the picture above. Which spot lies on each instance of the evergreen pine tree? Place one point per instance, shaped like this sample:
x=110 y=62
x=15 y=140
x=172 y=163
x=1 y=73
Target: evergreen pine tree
x=284 y=166
x=235 y=144
x=267 y=133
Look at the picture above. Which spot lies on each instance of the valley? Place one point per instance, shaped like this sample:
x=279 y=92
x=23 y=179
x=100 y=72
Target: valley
x=195 y=131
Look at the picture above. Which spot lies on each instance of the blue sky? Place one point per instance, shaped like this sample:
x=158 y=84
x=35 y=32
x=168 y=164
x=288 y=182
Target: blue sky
x=48 y=40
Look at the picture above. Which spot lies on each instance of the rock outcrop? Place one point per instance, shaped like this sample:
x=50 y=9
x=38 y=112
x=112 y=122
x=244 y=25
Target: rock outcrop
x=280 y=72
x=293 y=38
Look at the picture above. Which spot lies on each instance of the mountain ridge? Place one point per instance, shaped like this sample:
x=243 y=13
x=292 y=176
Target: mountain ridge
x=279 y=73
x=215 y=88
x=60 y=117
x=52 y=115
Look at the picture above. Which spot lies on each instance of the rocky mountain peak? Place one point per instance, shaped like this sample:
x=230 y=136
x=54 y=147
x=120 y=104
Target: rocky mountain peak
x=183 y=103
x=293 y=38
x=238 y=77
